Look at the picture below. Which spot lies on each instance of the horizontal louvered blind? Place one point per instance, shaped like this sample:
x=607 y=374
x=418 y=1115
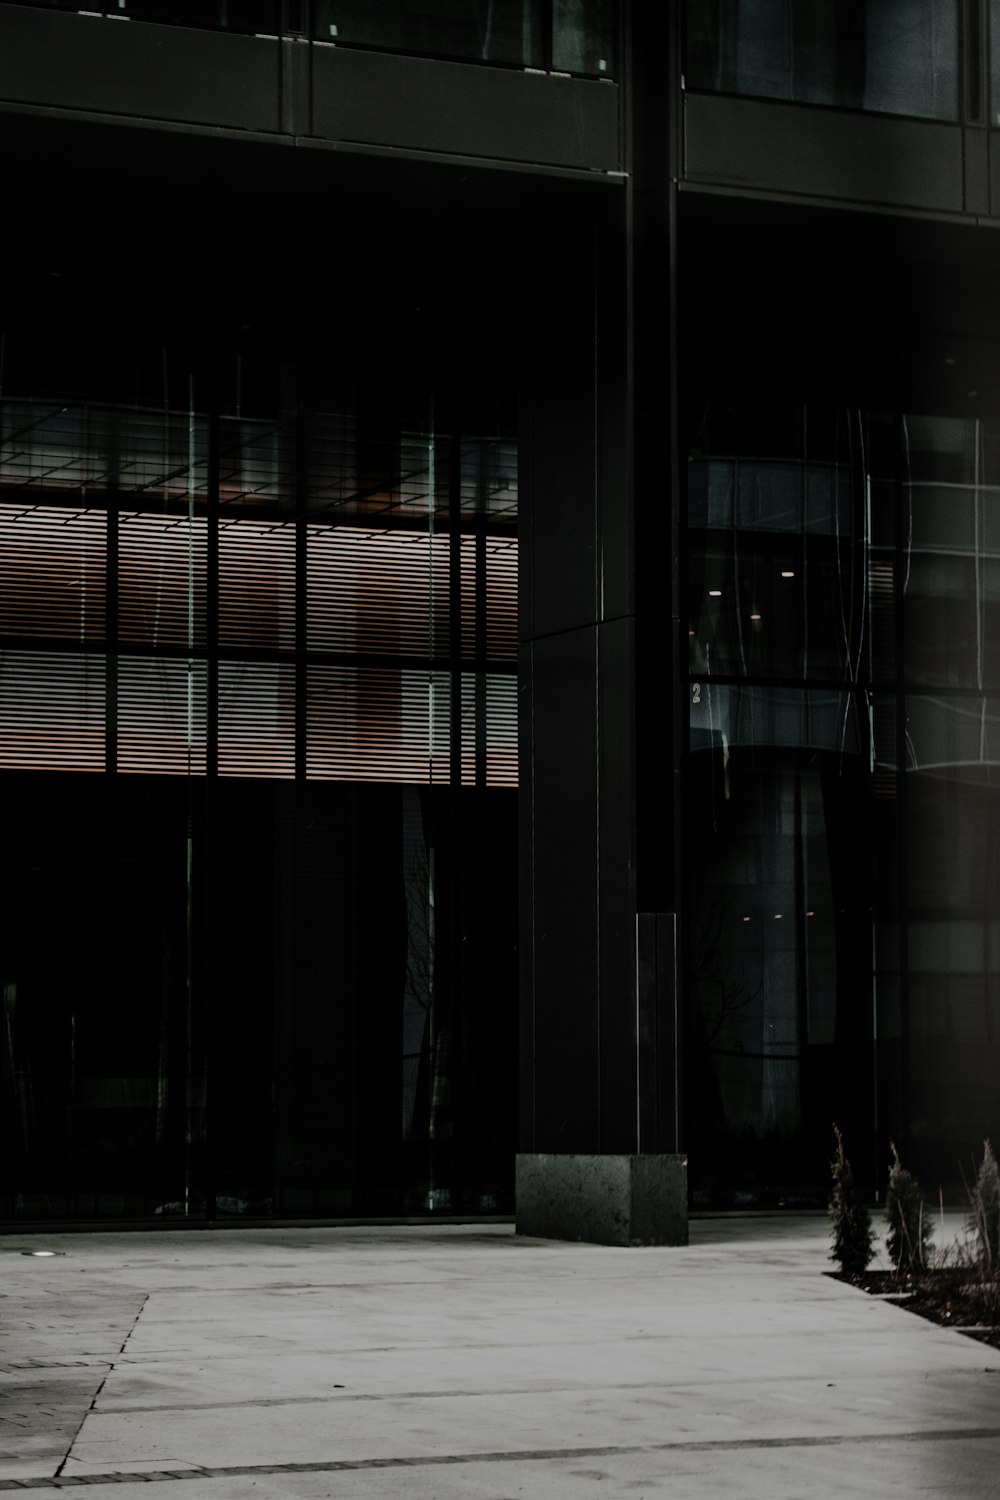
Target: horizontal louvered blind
x=378 y=724
x=490 y=562
x=256 y=719
x=467 y=573
x=161 y=715
x=384 y=592
x=882 y=586
x=107 y=536
x=489 y=729
x=52 y=572
x=52 y=710
x=883 y=722
x=257 y=584
x=501 y=598
x=162 y=562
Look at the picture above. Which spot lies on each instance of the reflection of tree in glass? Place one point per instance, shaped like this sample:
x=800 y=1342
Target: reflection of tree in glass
x=427 y=1034
x=419 y=979
x=720 y=979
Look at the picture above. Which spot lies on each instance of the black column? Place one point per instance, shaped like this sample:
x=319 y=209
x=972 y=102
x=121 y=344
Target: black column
x=591 y=1065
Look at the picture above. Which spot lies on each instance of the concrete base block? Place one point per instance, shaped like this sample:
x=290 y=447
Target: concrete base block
x=605 y=1200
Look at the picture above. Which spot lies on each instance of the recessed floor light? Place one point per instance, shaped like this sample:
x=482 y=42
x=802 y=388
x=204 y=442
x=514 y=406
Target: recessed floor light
x=39 y=1252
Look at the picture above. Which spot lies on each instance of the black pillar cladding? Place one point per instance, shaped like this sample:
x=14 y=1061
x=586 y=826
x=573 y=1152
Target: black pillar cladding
x=585 y=1056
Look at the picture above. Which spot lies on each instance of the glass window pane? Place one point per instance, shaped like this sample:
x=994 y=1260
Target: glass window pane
x=496 y=31
x=911 y=58
x=889 y=56
x=583 y=36
x=780 y=931
x=952 y=831
x=951 y=563
x=774 y=569
x=249 y=16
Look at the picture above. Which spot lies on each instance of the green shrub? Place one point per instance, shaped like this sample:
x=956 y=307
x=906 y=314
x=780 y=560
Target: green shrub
x=850 y=1221
x=910 y=1229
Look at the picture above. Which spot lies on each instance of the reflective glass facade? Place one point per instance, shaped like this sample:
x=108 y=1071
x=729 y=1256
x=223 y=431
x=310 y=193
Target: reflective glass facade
x=258 y=731
x=568 y=36
x=497 y=598
x=890 y=56
x=841 y=819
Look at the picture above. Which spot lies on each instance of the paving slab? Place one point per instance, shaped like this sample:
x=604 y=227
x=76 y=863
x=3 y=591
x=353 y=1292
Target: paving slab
x=467 y=1361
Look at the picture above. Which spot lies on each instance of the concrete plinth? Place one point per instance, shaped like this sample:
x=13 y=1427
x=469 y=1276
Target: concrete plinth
x=605 y=1200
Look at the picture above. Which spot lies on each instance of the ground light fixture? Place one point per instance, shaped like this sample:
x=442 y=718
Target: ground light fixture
x=40 y=1252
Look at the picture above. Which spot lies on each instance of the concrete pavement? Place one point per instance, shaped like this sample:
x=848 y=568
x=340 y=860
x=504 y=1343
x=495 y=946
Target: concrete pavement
x=464 y=1361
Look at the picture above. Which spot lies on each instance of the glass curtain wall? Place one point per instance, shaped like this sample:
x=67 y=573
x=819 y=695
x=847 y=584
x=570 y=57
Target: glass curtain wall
x=258 y=746
x=782 y=818
x=842 y=820
x=564 y=36
x=949 y=582
x=569 y=36
x=252 y=17
x=890 y=56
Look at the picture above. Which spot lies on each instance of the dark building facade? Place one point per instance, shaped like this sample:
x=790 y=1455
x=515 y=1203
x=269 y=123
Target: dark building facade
x=497 y=598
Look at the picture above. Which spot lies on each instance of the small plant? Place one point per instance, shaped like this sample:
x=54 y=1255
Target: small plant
x=984 y=1216
x=850 y=1221
x=910 y=1229
x=962 y=1270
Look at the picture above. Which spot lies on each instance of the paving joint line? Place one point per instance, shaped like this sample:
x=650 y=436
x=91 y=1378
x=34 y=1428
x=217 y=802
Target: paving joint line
x=428 y=1460
x=341 y=1393
x=104 y=1379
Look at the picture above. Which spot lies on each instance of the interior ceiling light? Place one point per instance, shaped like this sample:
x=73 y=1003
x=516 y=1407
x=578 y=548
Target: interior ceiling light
x=787 y=573
x=755 y=617
x=715 y=593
